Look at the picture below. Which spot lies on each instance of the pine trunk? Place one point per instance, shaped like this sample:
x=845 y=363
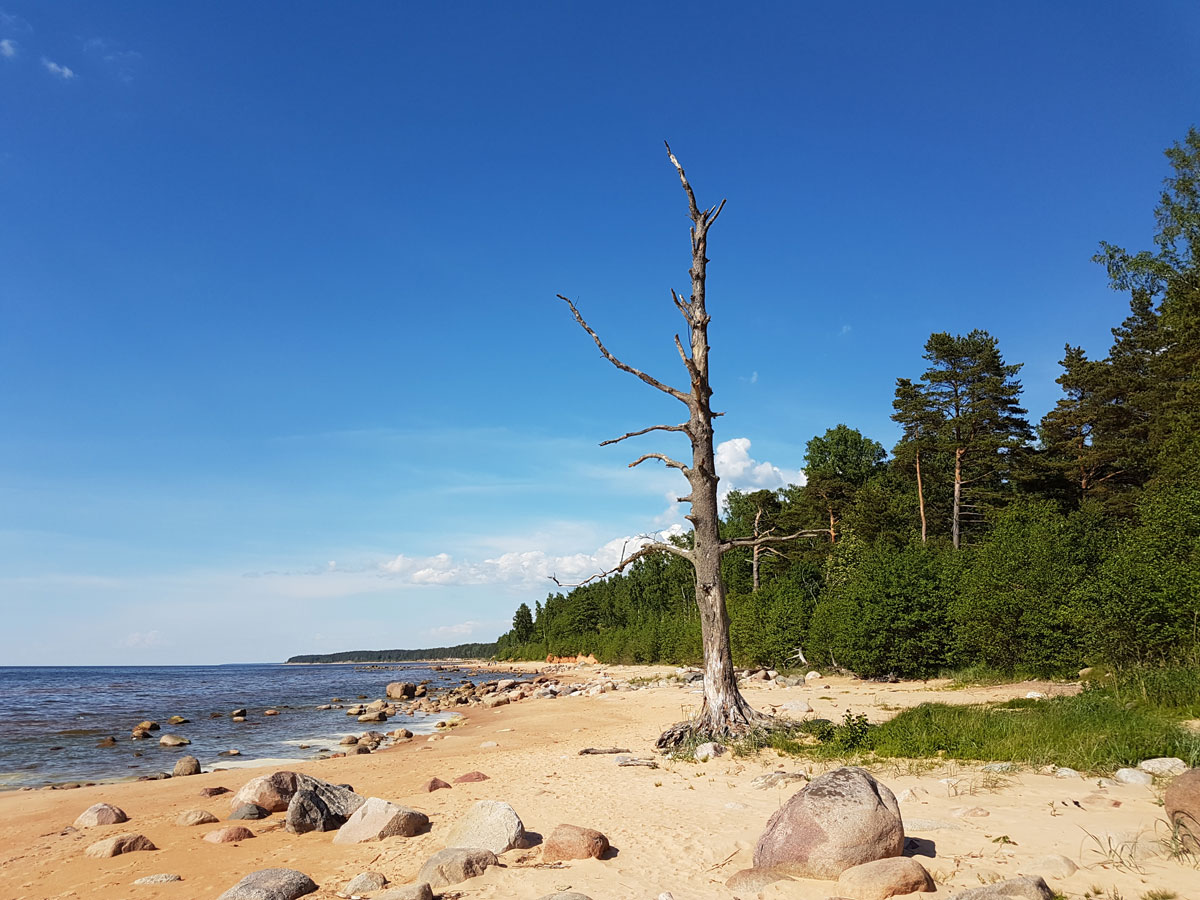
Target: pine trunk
x=920 y=496
x=954 y=528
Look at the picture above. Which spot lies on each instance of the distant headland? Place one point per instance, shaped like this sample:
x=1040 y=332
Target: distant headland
x=461 y=651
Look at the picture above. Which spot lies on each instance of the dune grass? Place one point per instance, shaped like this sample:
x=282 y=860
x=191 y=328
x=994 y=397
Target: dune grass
x=1092 y=732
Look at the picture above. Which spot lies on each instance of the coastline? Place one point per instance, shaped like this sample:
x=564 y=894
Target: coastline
x=684 y=827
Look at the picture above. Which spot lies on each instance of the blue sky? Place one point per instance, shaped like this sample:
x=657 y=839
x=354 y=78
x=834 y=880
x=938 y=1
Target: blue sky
x=283 y=366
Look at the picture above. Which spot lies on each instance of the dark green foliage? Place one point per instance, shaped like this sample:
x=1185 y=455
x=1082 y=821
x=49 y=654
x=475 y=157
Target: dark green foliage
x=885 y=610
x=1022 y=596
x=837 y=464
x=461 y=651
x=1146 y=594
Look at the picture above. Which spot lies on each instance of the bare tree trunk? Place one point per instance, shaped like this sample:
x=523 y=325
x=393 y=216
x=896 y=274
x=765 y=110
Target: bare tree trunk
x=756 y=552
x=954 y=528
x=832 y=527
x=920 y=495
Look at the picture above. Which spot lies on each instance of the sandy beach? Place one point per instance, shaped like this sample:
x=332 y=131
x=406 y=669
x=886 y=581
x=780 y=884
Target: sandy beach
x=683 y=827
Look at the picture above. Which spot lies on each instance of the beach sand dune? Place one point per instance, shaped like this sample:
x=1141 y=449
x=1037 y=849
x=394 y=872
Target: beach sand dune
x=683 y=827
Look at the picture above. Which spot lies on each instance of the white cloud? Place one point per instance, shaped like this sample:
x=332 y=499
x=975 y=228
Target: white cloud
x=8 y=48
x=754 y=377
x=462 y=629
x=738 y=470
x=143 y=640
x=518 y=568
x=55 y=69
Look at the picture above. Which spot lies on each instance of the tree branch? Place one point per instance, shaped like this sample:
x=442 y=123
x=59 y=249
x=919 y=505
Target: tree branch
x=671 y=463
x=653 y=547
x=648 y=379
x=773 y=539
x=623 y=437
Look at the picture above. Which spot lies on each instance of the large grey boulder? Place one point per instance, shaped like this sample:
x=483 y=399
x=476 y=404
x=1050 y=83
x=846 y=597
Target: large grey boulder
x=321 y=807
x=1028 y=887
x=454 y=865
x=271 y=884
x=365 y=881
x=842 y=819
x=378 y=819
x=490 y=824
x=186 y=765
x=885 y=878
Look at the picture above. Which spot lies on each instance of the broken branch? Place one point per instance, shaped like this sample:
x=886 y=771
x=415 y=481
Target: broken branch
x=648 y=379
x=623 y=437
x=652 y=547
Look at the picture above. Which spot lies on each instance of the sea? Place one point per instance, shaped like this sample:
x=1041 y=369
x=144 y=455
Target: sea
x=52 y=718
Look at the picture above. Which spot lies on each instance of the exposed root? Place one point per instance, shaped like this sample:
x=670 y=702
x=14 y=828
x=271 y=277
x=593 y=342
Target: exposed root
x=702 y=728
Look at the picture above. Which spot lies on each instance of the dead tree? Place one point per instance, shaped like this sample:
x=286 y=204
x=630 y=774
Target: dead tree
x=725 y=711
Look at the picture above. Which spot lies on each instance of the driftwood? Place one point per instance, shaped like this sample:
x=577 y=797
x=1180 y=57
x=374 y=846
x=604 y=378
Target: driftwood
x=597 y=751
x=634 y=761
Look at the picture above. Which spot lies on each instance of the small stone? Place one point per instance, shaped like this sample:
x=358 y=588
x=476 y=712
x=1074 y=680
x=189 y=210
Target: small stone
x=774 y=779
x=1028 y=887
x=797 y=707
x=229 y=834
x=195 y=817
x=470 y=777
x=707 y=751
x=998 y=767
x=487 y=745
x=163 y=878
x=1066 y=772
x=973 y=812
x=238 y=714
x=214 y=791
x=366 y=881
x=146 y=726
x=118 y=844
x=1052 y=866
x=433 y=784
x=1133 y=776
x=1035 y=695
x=172 y=740
x=250 y=811
x=270 y=712
x=1163 y=765
x=754 y=880
x=454 y=865
x=101 y=814
x=417 y=891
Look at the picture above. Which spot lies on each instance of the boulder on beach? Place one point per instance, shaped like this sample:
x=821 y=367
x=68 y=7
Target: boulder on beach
x=490 y=824
x=470 y=777
x=161 y=878
x=1182 y=806
x=229 y=834
x=885 y=878
x=754 y=880
x=842 y=819
x=1028 y=887
x=1163 y=765
x=321 y=806
x=186 y=765
x=365 y=881
x=433 y=784
x=190 y=817
x=574 y=842
x=271 y=884
x=214 y=791
x=118 y=844
x=101 y=814
x=377 y=819
x=250 y=811
x=416 y=891
x=455 y=865
x=272 y=792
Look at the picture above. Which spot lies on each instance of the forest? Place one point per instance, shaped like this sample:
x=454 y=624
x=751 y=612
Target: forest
x=982 y=540
x=459 y=651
